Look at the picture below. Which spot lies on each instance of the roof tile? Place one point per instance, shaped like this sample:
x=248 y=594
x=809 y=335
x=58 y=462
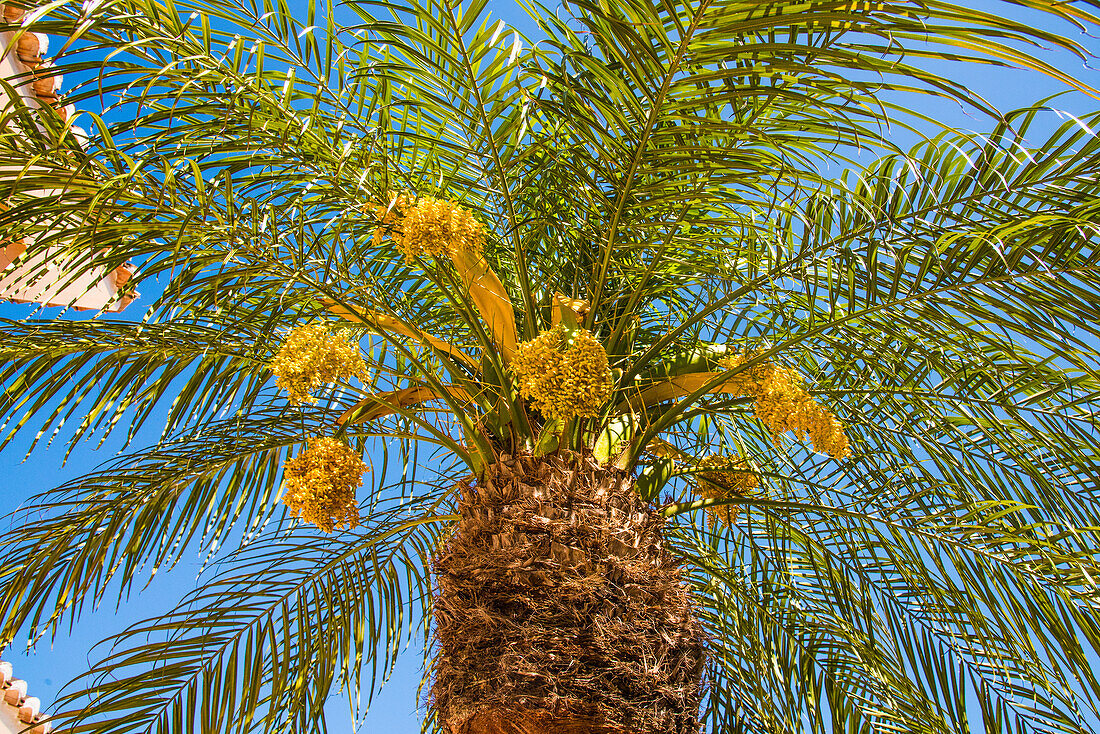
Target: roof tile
x=16 y=692
x=28 y=712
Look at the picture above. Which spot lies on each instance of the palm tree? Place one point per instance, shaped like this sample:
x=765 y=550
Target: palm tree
x=649 y=392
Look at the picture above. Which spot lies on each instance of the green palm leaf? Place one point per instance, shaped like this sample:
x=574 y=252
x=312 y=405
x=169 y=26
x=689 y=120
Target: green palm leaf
x=279 y=634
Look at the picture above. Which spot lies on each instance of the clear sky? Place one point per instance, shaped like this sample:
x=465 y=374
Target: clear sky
x=50 y=665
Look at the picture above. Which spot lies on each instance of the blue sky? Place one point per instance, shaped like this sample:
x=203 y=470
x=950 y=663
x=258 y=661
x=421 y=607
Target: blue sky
x=51 y=664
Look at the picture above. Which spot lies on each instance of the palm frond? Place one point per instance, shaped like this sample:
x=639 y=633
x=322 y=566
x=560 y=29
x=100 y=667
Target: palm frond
x=280 y=631
x=94 y=537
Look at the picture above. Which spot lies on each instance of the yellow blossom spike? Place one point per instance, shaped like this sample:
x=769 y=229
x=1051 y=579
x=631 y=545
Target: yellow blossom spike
x=433 y=227
x=780 y=401
x=562 y=377
x=313 y=356
x=319 y=484
x=782 y=404
x=430 y=227
x=721 y=477
x=388 y=213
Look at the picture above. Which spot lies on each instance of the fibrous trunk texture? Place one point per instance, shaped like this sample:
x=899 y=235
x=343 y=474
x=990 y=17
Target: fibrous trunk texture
x=559 y=609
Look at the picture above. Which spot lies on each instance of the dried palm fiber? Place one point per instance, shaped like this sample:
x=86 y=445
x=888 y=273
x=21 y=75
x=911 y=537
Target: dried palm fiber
x=559 y=609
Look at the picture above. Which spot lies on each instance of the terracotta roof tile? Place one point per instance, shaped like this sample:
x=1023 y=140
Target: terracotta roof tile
x=28 y=48
x=16 y=692
x=29 y=711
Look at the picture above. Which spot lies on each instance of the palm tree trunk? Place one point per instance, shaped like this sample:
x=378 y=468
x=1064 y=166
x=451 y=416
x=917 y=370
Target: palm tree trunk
x=559 y=609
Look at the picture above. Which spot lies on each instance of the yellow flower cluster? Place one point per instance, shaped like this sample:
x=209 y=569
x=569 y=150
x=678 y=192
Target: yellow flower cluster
x=319 y=484
x=389 y=212
x=438 y=227
x=750 y=381
x=563 y=376
x=724 y=477
x=782 y=404
x=312 y=356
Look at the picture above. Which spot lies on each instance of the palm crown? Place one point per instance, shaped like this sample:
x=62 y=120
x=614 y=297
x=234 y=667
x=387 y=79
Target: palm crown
x=447 y=245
